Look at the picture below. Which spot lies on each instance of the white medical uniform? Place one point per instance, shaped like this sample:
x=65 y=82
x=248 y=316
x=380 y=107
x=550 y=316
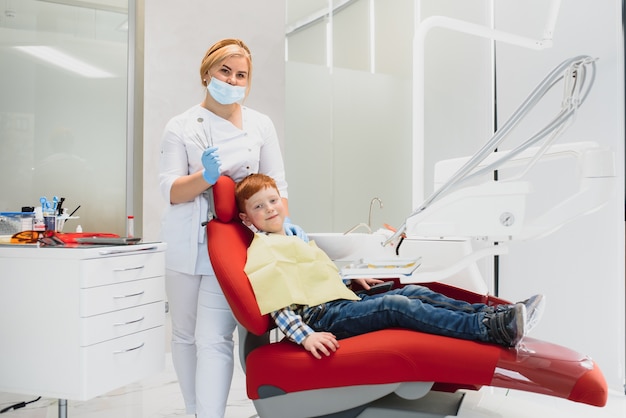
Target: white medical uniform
x=202 y=322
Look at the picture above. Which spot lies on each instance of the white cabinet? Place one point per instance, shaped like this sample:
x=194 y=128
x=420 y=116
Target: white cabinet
x=76 y=323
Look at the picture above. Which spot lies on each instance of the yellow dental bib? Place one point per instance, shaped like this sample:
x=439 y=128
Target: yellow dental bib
x=284 y=270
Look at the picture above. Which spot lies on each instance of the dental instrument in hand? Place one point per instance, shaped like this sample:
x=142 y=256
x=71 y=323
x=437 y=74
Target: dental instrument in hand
x=205 y=144
x=202 y=143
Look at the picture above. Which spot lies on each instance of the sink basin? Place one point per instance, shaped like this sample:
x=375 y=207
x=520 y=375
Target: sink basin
x=352 y=246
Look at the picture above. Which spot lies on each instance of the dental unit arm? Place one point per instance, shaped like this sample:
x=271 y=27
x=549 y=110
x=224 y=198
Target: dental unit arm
x=496 y=210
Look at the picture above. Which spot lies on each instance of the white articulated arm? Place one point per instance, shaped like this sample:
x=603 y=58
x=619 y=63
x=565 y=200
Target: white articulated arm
x=467 y=210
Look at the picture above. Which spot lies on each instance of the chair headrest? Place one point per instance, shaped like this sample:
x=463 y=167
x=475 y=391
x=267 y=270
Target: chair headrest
x=224 y=199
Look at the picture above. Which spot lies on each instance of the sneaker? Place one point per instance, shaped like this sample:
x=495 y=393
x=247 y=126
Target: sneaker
x=534 y=310
x=507 y=327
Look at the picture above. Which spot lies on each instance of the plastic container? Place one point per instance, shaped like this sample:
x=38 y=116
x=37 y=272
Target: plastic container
x=130 y=226
x=38 y=221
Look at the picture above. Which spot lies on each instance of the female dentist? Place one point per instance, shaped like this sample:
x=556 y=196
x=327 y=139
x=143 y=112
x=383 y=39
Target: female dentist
x=217 y=137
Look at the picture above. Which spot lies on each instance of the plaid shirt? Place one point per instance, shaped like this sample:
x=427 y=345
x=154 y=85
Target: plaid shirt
x=289 y=321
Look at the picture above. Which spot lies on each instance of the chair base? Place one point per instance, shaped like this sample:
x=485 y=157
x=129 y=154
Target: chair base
x=432 y=404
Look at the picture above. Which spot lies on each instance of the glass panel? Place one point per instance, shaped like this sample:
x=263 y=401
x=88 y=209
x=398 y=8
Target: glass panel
x=351 y=37
x=298 y=11
x=309 y=45
x=393 y=37
x=348 y=127
x=371 y=138
x=309 y=145
x=63 y=109
x=306 y=31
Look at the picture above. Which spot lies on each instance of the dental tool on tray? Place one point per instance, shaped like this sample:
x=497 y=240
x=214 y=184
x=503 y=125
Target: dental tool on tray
x=395 y=268
x=576 y=89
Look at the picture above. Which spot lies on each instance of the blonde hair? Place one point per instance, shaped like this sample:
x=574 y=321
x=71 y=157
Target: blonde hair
x=251 y=184
x=222 y=50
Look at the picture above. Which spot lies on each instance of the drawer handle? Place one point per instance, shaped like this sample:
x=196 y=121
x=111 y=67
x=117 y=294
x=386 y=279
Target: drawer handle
x=119 y=324
x=129 y=296
x=129 y=268
x=123 y=249
x=129 y=349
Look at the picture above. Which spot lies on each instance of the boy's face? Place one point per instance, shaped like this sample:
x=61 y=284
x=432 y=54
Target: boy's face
x=265 y=210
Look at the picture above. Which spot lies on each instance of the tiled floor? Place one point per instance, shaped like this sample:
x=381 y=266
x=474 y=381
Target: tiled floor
x=155 y=397
x=159 y=397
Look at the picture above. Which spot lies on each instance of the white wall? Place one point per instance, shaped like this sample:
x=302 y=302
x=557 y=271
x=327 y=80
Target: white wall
x=177 y=34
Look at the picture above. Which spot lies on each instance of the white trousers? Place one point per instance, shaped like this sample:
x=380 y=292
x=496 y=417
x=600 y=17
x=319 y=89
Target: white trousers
x=202 y=342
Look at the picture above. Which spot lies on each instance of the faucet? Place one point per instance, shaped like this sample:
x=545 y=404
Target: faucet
x=380 y=206
x=368 y=225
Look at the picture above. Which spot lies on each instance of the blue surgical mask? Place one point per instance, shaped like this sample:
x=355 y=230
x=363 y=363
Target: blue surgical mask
x=224 y=93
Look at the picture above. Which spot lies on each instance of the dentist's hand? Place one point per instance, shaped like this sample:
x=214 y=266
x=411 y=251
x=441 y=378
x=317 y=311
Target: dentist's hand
x=211 y=162
x=293 y=229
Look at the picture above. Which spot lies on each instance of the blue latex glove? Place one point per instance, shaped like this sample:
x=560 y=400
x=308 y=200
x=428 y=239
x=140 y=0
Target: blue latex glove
x=293 y=229
x=211 y=162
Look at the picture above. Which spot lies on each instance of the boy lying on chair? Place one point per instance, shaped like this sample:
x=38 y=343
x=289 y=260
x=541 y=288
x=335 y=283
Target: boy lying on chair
x=303 y=291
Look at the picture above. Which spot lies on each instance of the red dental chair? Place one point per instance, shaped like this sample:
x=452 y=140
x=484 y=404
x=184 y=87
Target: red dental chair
x=391 y=373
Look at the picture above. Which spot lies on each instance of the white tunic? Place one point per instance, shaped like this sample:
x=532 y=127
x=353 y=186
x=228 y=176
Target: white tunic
x=253 y=149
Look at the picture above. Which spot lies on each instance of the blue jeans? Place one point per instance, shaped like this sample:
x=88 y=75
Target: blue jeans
x=413 y=307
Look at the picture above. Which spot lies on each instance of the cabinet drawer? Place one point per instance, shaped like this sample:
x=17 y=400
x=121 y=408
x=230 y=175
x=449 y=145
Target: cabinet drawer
x=110 y=270
x=103 y=299
x=117 y=324
x=119 y=362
